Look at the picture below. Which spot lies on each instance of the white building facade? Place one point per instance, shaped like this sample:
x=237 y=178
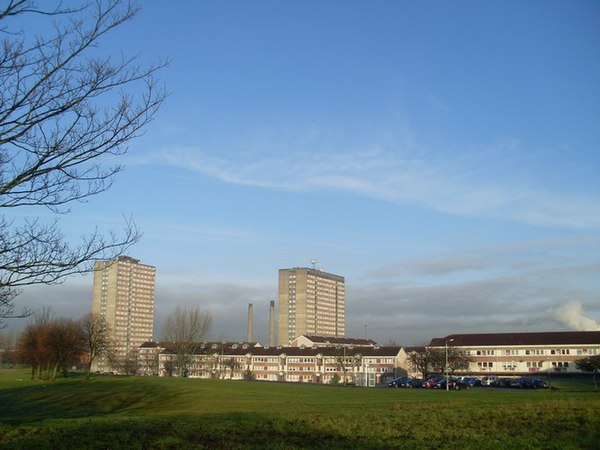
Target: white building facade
x=323 y=365
x=512 y=354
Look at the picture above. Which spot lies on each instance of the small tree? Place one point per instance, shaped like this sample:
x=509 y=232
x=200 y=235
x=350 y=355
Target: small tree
x=420 y=361
x=590 y=364
x=343 y=363
x=249 y=375
x=63 y=344
x=96 y=340
x=49 y=344
x=232 y=365
x=448 y=360
x=149 y=362
x=31 y=349
x=32 y=342
x=184 y=330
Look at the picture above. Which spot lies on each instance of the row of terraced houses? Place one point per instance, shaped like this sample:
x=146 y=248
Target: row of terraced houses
x=315 y=359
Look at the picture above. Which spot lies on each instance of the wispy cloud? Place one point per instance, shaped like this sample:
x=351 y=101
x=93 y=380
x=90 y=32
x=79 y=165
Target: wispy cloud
x=489 y=184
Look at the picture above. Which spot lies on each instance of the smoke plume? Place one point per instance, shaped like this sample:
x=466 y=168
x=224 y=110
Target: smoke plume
x=571 y=315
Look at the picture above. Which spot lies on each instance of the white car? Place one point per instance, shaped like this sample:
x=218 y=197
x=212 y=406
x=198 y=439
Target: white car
x=487 y=381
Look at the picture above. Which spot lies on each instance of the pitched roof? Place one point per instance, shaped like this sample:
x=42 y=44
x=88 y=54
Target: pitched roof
x=414 y=349
x=229 y=349
x=338 y=340
x=538 y=338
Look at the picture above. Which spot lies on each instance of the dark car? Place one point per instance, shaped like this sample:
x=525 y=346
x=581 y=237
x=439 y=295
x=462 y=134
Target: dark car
x=532 y=383
x=417 y=382
x=472 y=381
x=400 y=382
x=501 y=382
x=453 y=383
x=517 y=383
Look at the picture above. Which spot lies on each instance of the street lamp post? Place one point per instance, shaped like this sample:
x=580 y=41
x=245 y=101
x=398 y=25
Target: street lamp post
x=446 y=365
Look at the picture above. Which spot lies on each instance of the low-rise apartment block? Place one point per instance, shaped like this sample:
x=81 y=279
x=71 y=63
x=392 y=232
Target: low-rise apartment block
x=507 y=354
x=238 y=361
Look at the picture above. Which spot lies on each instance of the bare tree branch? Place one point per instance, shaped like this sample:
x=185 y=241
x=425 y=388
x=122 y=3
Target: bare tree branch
x=184 y=330
x=66 y=113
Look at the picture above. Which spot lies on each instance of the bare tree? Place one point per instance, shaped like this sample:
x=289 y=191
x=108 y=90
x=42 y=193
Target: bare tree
x=232 y=365
x=63 y=344
x=184 y=329
x=149 y=362
x=8 y=343
x=96 y=340
x=457 y=360
x=448 y=359
x=420 y=360
x=66 y=112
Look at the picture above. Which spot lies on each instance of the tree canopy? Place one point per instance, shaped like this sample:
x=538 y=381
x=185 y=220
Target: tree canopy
x=590 y=364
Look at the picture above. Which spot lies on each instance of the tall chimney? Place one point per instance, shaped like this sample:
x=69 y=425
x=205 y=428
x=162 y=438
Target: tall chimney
x=249 y=336
x=272 y=324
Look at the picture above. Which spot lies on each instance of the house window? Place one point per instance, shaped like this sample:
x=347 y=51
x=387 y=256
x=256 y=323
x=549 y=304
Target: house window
x=534 y=364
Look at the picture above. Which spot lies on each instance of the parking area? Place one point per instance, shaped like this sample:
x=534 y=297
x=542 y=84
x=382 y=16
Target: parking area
x=467 y=382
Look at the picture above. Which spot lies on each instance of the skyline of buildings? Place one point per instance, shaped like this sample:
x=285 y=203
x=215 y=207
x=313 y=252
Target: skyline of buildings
x=314 y=359
x=123 y=293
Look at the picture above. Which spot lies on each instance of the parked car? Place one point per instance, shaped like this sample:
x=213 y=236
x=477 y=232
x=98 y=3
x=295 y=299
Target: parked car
x=487 y=381
x=400 y=382
x=540 y=383
x=472 y=381
x=405 y=382
x=431 y=382
x=453 y=383
x=417 y=382
x=531 y=383
x=517 y=383
x=502 y=382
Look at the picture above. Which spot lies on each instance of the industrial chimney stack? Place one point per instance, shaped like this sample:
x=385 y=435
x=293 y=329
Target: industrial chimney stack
x=272 y=324
x=249 y=334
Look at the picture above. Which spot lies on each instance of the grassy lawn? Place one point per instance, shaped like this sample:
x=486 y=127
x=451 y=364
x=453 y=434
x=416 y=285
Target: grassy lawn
x=157 y=413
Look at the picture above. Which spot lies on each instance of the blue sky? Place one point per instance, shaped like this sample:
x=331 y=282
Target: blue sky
x=443 y=156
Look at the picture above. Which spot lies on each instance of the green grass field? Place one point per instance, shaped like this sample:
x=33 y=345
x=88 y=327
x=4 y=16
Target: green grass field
x=158 y=413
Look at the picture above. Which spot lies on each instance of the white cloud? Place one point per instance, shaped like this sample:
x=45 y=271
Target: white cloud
x=478 y=185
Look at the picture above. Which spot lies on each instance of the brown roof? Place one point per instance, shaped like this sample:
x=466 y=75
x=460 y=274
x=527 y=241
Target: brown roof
x=540 y=338
x=241 y=350
x=414 y=349
x=338 y=340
